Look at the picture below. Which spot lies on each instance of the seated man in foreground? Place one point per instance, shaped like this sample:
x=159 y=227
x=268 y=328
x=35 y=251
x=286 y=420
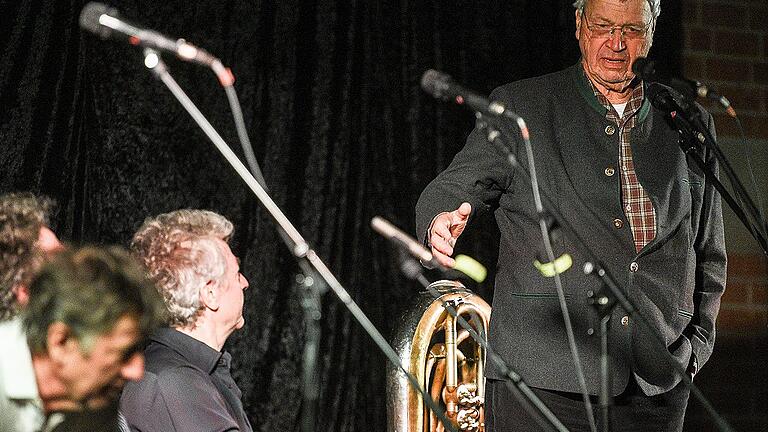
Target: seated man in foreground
x=76 y=342
x=188 y=386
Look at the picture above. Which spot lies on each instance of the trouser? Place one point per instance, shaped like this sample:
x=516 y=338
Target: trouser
x=631 y=411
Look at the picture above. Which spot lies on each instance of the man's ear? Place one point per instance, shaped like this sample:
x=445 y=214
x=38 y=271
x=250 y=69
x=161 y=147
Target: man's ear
x=21 y=292
x=209 y=295
x=60 y=341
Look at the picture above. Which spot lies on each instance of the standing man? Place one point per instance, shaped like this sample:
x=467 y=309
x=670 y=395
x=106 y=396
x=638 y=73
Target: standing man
x=612 y=164
x=76 y=342
x=188 y=386
x=25 y=243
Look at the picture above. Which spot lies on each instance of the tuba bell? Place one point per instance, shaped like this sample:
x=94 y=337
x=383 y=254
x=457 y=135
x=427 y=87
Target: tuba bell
x=445 y=360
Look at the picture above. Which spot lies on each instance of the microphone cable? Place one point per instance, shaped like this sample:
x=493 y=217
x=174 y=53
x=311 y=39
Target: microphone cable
x=748 y=153
x=227 y=80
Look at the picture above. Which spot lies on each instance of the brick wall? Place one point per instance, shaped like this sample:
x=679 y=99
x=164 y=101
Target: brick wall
x=744 y=310
x=726 y=46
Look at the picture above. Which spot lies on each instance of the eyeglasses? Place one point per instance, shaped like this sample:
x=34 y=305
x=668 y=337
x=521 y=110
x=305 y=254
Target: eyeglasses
x=627 y=31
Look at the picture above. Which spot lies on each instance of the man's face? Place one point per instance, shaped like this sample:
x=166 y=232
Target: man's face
x=95 y=379
x=231 y=298
x=608 y=58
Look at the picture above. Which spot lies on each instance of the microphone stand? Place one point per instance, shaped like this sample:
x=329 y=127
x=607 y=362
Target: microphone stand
x=310 y=303
x=603 y=303
x=693 y=135
x=311 y=265
x=610 y=294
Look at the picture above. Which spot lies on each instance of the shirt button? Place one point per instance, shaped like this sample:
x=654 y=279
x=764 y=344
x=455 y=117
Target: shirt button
x=618 y=223
x=610 y=171
x=610 y=130
x=633 y=267
x=625 y=320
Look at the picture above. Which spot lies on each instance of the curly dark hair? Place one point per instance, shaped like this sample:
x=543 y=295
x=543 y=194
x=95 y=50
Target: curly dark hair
x=21 y=217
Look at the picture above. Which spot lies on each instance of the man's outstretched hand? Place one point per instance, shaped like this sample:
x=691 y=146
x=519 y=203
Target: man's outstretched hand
x=445 y=230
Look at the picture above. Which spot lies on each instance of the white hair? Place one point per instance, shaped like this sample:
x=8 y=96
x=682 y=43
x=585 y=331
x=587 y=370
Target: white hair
x=654 y=4
x=181 y=254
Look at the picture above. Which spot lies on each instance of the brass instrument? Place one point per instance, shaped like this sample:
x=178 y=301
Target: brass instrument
x=445 y=360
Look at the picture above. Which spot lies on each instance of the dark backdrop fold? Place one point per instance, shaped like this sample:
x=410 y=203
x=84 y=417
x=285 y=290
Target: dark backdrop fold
x=331 y=98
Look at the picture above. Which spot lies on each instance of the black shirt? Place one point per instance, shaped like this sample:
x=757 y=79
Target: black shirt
x=88 y=420
x=186 y=387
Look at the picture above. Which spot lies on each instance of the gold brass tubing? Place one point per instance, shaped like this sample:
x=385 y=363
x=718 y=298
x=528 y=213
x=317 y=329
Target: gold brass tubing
x=451 y=377
x=468 y=310
x=435 y=392
x=440 y=365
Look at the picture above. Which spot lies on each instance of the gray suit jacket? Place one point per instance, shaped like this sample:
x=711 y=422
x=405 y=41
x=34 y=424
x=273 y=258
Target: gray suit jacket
x=678 y=278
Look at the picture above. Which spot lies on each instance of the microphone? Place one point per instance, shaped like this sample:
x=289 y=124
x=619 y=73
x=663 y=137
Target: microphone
x=646 y=70
x=442 y=86
x=105 y=22
x=674 y=104
x=463 y=263
x=666 y=99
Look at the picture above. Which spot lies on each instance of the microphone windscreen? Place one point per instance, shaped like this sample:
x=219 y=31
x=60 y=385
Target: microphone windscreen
x=89 y=18
x=470 y=267
x=644 y=68
x=655 y=91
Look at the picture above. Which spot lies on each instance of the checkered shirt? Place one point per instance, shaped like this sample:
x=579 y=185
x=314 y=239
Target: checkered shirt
x=638 y=208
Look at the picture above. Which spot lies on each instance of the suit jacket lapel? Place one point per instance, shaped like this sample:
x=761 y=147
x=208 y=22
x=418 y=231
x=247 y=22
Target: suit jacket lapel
x=654 y=160
x=586 y=151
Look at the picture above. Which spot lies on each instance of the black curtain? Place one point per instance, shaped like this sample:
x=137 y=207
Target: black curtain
x=331 y=98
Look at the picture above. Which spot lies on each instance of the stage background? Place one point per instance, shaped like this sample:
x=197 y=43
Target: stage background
x=331 y=98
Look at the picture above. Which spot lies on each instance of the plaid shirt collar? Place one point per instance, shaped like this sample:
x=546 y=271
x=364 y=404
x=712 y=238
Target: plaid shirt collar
x=633 y=105
x=638 y=208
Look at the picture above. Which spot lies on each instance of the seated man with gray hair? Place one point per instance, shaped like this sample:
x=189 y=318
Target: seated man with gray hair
x=188 y=386
x=76 y=342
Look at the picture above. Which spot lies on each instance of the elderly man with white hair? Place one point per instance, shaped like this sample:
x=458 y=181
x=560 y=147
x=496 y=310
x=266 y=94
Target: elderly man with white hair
x=187 y=385
x=612 y=164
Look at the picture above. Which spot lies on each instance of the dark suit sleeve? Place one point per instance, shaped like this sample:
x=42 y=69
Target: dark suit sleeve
x=478 y=174
x=710 y=270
